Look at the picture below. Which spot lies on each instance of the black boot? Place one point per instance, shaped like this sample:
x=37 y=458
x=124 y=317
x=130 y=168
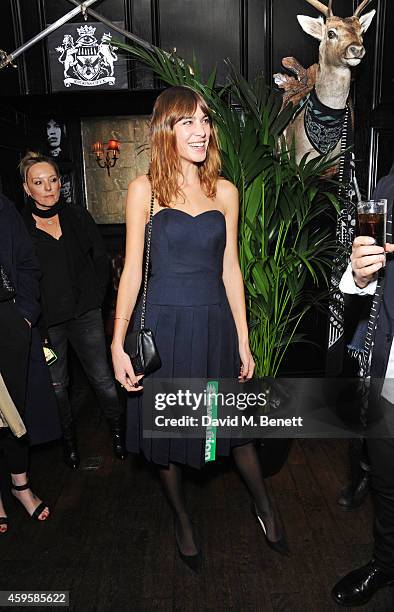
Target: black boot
x=70 y=449
x=353 y=495
x=118 y=437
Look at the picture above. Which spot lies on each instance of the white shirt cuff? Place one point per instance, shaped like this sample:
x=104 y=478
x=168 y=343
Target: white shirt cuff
x=347 y=284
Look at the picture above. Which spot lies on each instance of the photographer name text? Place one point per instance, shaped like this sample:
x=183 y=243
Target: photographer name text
x=234 y=421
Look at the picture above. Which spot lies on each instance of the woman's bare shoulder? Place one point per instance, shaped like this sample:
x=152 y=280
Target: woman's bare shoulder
x=140 y=186
x=226 y=188
x=139 y=194
x=227 y=194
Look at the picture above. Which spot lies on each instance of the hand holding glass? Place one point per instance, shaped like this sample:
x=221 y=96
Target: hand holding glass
x=372 y=216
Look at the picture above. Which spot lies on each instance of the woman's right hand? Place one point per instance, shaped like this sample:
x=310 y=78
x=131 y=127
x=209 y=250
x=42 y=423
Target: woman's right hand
x=367 y=259
x=124 y=372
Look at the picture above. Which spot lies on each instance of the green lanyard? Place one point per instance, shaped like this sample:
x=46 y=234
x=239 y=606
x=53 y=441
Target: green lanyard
x=212 y=411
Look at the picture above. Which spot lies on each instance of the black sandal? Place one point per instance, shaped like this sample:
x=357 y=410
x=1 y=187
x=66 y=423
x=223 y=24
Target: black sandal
x=41 y=506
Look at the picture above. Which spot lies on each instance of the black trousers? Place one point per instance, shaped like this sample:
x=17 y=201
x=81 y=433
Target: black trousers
x=14 y=358
x=14 y=352
x=381 y=455
x=358 y=460
x=86 y=336
x=15 y=451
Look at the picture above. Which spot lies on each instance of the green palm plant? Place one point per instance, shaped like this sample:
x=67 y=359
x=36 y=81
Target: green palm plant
x=284 y=249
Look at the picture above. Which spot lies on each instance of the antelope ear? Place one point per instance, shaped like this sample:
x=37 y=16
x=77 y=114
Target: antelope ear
x=313 y=27
x=366 y=20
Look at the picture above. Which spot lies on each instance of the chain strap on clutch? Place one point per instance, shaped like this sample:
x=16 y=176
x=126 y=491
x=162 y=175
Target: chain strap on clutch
x=140 y=345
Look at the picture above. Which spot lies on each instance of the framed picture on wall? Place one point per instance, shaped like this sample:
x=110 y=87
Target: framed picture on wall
x=67 y=178
x=55 y=139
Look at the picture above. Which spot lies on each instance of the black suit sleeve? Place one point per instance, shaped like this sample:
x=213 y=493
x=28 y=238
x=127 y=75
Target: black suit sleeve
x=28 y=270
x=385 y=190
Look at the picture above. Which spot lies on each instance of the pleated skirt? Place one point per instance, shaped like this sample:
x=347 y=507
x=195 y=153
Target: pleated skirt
x=193 y=342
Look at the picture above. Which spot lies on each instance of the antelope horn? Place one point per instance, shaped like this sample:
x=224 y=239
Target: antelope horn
x=360 y=8
x=326 y=10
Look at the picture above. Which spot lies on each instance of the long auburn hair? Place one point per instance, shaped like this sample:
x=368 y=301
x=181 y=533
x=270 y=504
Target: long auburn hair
x=172 y=105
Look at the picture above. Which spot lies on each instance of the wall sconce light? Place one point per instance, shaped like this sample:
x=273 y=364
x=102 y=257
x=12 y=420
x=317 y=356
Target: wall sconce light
x=106 y=158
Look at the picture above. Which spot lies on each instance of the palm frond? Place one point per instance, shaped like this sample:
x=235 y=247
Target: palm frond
x=282 y=243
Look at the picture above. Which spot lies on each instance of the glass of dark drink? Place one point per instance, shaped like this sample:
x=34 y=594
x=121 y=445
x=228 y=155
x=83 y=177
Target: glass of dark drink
x=372 y=216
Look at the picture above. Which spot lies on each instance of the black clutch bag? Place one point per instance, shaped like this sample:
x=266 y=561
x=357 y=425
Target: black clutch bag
x=140 y=345
x=141 y=348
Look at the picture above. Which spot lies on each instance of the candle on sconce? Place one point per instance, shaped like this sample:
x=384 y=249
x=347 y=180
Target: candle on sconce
x=113 y=145
x=97 y=147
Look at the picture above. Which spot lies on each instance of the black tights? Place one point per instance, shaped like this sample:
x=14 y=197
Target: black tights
x=247 y=462
x=171 y=479
x=16 y=451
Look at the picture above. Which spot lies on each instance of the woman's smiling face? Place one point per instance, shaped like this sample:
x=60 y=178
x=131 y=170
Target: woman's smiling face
x=192 y=136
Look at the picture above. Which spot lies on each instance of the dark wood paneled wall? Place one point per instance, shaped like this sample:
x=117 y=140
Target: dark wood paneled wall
x=12 y=143
x=253 y=34
x=376 y=101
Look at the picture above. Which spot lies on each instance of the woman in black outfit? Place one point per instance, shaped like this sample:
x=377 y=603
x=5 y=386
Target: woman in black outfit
x=19 y=310
x=74 y=269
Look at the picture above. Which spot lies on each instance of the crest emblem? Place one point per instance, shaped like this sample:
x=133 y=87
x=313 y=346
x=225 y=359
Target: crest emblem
x=87 y=62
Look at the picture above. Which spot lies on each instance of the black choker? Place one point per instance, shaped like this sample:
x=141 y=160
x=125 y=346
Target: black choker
x=45 y=214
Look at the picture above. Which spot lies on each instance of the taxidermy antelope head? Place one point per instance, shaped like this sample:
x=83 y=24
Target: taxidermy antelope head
x=341 y=40
x=318 y=127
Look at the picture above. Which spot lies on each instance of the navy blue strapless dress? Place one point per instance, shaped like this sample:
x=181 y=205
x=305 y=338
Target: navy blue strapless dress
x=188 y=311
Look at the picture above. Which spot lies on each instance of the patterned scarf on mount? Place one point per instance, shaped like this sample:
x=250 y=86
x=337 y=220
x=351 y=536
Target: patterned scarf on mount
x=323 y=125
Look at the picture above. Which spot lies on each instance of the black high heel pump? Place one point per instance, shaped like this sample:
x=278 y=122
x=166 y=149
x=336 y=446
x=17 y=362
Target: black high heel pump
x=280 y=546
x=193 y=562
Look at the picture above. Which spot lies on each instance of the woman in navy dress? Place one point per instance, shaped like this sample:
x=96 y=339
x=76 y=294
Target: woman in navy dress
x=195 y=299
